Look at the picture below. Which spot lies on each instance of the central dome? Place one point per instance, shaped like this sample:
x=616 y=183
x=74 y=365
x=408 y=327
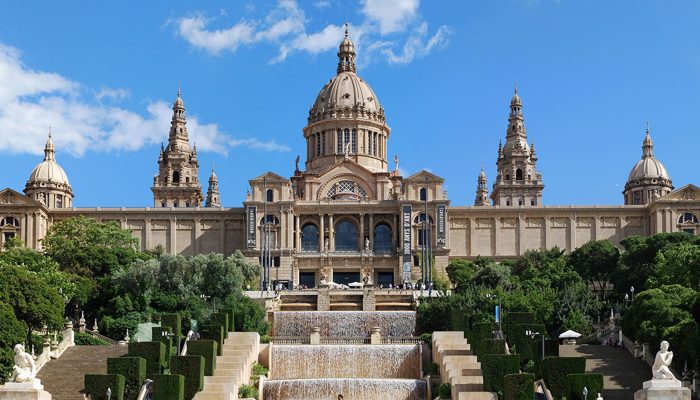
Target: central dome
x=346 y=90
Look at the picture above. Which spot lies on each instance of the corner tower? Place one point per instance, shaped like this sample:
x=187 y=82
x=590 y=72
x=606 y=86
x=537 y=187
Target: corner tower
x=346 y=120
x=482 y=190
x=518 y=182
x=177 y=183
x=648 y=179
x=213 y=198
x=48 y=182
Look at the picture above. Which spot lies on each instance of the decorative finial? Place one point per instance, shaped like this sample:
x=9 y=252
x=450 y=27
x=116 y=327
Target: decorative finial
x=516 y=86
x=178 y=88
x=346 y=27
x=647 y=127
x=212 y=166
x=49 y=131
x=482 y=165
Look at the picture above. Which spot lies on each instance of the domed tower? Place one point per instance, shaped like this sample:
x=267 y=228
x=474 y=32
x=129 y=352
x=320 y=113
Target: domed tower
x=48 y=182
x=648 y=179
x=518 y=182
x=346 y=120
x=213 y=199
x=177 y=183
x=482 y=190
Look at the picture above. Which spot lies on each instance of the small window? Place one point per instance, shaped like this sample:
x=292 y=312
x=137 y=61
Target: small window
x=507 y=202
x=276 y=261
x=423 y=194
x=688 y=218
x=270 y=195
x=176 y=177
x=162 y=204
x=187 y=204
x=520 y=202
x=187 y=179
x=175 y=203
x=59 y=201
x=533 y=202
x=416 y=261
x=9 y=221
x=519 y=174
x=507 y=177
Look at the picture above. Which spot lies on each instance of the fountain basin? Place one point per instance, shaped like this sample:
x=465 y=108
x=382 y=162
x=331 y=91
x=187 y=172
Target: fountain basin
x=351 y=389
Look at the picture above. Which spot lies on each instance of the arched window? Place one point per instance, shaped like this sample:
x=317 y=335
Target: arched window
x=424 y=233
x=688 y=218
x=346 y=236
x=519 y=174
x=382 y=238
x=423 y=194
x=269 y=219
x=309 y=238
x=270 y=196
x=9 y=221
x=176 y=177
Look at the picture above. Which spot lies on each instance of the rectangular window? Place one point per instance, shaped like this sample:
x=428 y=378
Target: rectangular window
x=347 y=139
x=354 y=142
x=369 y=142
x=318 y=144
x=323 y=142
x=340 y=142
x=374 y=144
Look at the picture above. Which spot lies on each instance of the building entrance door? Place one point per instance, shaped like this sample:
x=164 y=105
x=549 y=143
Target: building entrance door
x=345 y=278
x=307 y=279
x=385 y=278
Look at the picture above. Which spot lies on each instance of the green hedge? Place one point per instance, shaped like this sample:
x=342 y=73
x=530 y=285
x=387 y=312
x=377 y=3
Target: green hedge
x=153 y=353
x=220 y=318
x=215 y=333
x=206 y=349
x=231 y=321
x=555 y=369
x=459 y=320
x=525 y=346
x=518 y=386
x=168 y=387
x=174 y=321
x=96 y=386
x=86 y=339
x=192 y=368
x=512 y=319
x=492 y=346
x=133 y=369
x=479 y=332
x=157 y=336
x=576 y=382
x=495 y=367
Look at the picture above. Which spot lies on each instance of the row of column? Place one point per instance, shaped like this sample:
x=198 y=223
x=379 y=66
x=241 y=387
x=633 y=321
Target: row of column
x=331 y=231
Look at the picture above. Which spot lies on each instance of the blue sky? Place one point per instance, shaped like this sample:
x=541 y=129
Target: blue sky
x=590 y=73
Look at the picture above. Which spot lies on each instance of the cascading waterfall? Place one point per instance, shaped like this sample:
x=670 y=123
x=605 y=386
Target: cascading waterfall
x=344 y=323
x=351 y=389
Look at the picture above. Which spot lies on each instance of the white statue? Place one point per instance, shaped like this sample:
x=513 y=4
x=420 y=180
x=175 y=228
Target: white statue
x=660 y=369
x=599 y=397
x=25 y=367
x=366 y=244
x=325 y=244
x=347 y=150
x=396 y=163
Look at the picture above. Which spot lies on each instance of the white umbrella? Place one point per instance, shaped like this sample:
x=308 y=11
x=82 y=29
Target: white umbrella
x=570 y=335
x=355 y=284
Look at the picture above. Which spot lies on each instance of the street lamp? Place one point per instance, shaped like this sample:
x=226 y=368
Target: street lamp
x=532 y=335
x=585 y=393
x=632 y=291
x=170 y=335
x=109 y=393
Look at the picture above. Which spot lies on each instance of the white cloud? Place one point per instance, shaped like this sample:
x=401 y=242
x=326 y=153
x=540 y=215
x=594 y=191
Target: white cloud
x=322 y=4
x=112 y=94
x=32 y=100
x=417 y=46
x=392 y=15
x=193 y=29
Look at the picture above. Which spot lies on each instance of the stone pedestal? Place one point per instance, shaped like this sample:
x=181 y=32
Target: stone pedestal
x=33 y=390
x=662 y=389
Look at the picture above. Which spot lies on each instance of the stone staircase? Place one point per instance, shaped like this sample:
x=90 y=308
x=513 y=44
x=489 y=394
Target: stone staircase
x=459 y=366
x=64 y=377
x=233 y=367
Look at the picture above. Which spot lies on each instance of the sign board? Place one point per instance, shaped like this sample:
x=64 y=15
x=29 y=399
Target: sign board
x=441 y=225
x=406 y=241
x=252 y=228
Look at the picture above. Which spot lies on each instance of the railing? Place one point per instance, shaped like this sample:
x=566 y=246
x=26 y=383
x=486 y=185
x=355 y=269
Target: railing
x=401 y=340
x=99 y=336
x=290 y=340
x=51 y=352
x=345 y=340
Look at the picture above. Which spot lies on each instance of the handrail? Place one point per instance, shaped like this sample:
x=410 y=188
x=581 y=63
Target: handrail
x=145 y=392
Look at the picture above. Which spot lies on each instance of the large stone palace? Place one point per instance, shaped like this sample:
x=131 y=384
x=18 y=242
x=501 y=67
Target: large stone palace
x=346 y=213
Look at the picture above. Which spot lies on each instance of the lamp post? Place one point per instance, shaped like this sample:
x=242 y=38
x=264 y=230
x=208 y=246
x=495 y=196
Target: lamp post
x=632 y=291
x=585 y=393
x=170 y=335
x=109 y=393
x=532 y=335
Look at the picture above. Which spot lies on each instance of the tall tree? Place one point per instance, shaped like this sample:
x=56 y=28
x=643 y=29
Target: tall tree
x=595 y=261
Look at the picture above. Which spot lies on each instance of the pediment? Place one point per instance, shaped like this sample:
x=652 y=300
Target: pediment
x=422 y=176
x=345 y=167
x=688 y=192
x=270 y=177
x=9 y=197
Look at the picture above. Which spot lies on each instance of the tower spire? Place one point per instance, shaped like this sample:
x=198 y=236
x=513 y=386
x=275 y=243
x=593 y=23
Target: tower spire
x=213 y=197
x=49 y=149
x=647 y=145
x=346 y=54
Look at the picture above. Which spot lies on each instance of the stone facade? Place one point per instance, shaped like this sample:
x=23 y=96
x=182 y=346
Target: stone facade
x=348 y=215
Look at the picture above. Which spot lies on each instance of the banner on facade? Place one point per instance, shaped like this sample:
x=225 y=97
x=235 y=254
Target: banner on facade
x=441 y=225
x=252 y=231
x=406 y=241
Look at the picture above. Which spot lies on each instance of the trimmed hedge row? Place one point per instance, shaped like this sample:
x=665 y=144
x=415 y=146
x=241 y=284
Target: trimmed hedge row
x=96 y=386
x=174 y=321
x=555 y=370
x=526 y=346
x=492 y=346
x=153 y=353
x=518 y=386
x=133 y=369
x=231 y=324
x=206 y=349
x=220 y=318
x=192 y=368
x=215 y=333
x=495 y=367
x=479 y=332
x=512 y=319
x=157 y=336
x=576 y=382
x=168 y=387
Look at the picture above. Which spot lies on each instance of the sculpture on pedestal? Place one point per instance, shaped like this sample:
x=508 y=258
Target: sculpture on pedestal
x=662 y=362
x=25 y=367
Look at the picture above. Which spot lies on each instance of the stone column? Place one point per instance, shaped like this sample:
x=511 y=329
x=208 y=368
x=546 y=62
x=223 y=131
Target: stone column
x=547 y=233
x=376 y=336
x=623 y=228
x=572 y=234
x=596 y=228
x=322 y=232
x=315 y=337
x=147 y=234
x=297 y=233
x=371 y=231
x=521 y=234
x=470 y=240
x=362 y=232
x=196 y=234
x=331 y=233
x=222 y=235
x=496 y=234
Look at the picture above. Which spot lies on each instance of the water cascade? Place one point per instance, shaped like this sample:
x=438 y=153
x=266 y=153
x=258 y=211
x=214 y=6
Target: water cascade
x=351 y=389
x=344 y=323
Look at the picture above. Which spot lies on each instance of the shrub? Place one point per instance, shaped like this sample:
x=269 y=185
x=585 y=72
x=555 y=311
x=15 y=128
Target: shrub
x=133 y=369
x=96 y=386
x=174 y=321
x=206 y=349
x=86 y=339
x=12 y=331
x=220 y=318
x=265 y=339
x=153 y=353
x=192 y=368
x=495 y=367
x=479 y=332
x=259 y=370
x=431 y=369
x=526 y=346
x=168 y=387
x=215 y=333
x=250 y=315
x=444 y=391
x=512 y=319
x=246 y=391
x=576 y=382
x=492 y=346
x=518 y=386
x=555 y=369
x=157 y=336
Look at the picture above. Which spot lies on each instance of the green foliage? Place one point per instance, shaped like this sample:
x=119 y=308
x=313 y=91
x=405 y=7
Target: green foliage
x=596 y=261
x=250 y=315
x=460 y=272
x=153 y=353
x=192 y=368
x=168 y=387
x=431 y=369
x=426 y=338
x=480 y=331
x=33 y=301
x=206 y=349
x=513 y=319
x=247 y=391
x=556 y=369
x=577 y=321
x=259 y=370
x=13 y=242
x=526 y=346
x=96 y=386
x=215 y=333
x=493 y=276
x=492 y=346
x=576 y=382
x=12 y=331
x=265 y=339
x=495 y=367
x=518 y=386
x=444 y=391
x=220 y=318
x=116 y=328
x=133 y=369
x=172 y=321
x=86 y=339
x=678 y=264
